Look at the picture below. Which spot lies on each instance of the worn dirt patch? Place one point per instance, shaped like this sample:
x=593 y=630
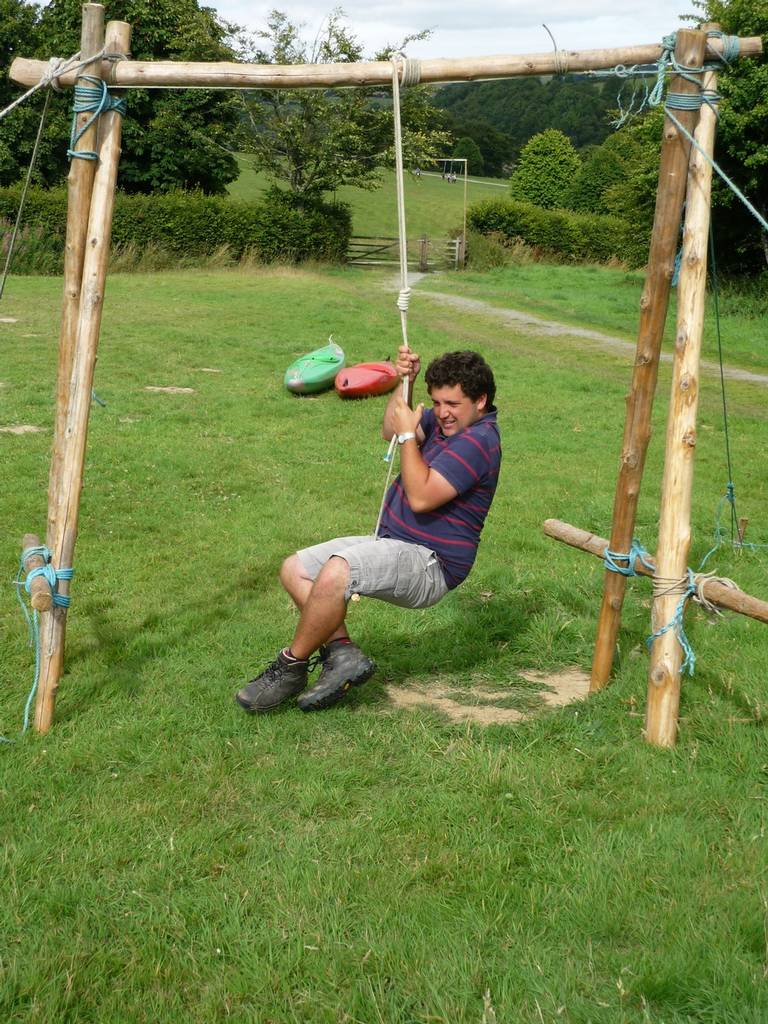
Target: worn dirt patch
x=207 y=369
x=21 y=428
x=171 y=390
x=8 y=320
x=553 y=689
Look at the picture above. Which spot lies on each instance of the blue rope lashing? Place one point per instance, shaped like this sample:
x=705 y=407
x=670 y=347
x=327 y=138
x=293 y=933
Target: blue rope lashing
x=676 y=270
x=684 y=100
x=636 y=553
x=731 y=46
x=676 y=624
x=51 y=574
x=94 y=99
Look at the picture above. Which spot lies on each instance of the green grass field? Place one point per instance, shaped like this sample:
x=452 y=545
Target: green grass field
x=434 y=207
x=167 y=858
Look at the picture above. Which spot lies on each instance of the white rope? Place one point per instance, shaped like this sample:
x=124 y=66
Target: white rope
x=57 y=66
x=410 y=75
x=701 y=579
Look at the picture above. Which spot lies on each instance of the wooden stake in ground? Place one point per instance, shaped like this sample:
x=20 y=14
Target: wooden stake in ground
x=654 y=303
x=79 y=186
x=677 y=485
x=64 y=515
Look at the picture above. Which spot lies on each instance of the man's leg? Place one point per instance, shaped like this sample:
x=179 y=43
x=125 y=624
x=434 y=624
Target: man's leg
x=323 y=606
x=299 y=586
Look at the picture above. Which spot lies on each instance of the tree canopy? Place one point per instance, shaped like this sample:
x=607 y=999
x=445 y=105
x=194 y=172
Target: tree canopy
x=545 y=170
x=171 y=139
x=467 y=149
x=311 y=141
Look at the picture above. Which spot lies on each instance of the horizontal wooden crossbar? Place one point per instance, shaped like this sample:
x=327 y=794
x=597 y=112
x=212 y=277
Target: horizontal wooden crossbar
x=164 y=74
x=724 y=597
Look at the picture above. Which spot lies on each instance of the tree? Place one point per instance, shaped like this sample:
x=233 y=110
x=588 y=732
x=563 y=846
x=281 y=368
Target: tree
x=315 y=140
x=613 y=162
x=171 y=139
x=467 y=149
x=742 y=140
x=547 y=166
x=18 y=34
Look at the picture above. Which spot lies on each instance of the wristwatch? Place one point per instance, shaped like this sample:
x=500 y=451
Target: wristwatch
x=402 y=438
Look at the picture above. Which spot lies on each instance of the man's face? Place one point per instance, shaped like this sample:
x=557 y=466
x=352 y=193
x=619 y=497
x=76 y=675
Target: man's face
x=454 y=410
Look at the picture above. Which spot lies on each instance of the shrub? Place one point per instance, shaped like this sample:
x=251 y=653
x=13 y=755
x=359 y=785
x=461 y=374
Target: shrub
x=560 y=233
x=545 y=170
x=185 y=227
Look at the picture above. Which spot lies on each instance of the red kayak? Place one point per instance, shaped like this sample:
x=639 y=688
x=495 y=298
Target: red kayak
x=366 y=379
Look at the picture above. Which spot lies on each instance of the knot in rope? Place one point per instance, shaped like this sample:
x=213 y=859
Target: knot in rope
x=55 y=67
x=701 y=579
x=403 y=299
x=94 y=99
x=48 y=572
x=636 y=553
x=730 y=492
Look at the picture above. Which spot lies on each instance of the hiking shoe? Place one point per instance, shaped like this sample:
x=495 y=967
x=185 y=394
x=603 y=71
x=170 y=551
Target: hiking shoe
x=344 y=665
x=282 y=679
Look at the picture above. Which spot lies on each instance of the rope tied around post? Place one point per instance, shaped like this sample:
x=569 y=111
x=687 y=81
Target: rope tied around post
x=47 y=571
x=685 y=587
x=52 y=576
x=636 y=553
x=94 y=99
x=689 y=586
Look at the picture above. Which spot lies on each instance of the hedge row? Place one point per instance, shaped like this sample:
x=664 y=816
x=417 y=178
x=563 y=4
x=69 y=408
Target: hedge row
x=574 y=236
x=188 y=225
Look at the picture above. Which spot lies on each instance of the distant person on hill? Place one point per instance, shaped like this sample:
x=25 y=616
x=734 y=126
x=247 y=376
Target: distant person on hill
x=430 y=528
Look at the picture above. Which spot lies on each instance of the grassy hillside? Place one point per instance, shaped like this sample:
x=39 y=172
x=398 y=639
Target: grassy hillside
x=434 y=207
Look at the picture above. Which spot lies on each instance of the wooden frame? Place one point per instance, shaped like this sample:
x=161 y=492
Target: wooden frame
x=91 y=200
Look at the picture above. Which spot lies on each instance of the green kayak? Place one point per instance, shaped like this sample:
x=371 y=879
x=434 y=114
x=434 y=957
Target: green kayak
x=315 y=371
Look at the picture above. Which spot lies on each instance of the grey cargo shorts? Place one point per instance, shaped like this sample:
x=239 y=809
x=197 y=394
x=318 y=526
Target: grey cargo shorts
x=396 y=571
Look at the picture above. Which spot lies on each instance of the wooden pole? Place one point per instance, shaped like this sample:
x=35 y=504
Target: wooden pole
x=677 y=484
x=79 y=186
x=654 y=303
x=731 y=598
x=224 y=75
x=65 y=514
x=40 y=594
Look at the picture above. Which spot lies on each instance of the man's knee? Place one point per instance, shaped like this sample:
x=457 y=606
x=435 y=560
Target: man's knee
x=334 y=574
x=292 y=571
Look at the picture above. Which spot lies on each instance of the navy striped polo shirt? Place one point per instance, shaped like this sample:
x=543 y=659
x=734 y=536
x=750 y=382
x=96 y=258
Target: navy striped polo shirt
x=470 y=462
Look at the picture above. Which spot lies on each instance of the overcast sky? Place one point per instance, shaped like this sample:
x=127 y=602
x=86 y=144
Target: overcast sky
x=477 y=29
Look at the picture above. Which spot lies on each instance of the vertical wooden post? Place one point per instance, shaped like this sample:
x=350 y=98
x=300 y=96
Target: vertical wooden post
x=423 y=254
x=80 y=184
x=677 y=485
x=64 y=515
x=654 y=303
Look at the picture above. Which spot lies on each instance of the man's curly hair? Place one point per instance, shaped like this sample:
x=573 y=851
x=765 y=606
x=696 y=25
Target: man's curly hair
x=468 y=369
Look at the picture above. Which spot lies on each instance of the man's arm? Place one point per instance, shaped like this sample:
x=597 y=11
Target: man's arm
x=425 y=488
x=408 y=366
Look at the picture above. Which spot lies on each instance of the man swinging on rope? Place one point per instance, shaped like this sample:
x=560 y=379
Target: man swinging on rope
x=427 y=539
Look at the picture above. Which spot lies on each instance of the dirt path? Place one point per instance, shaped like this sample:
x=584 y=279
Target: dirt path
x=527 y=323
